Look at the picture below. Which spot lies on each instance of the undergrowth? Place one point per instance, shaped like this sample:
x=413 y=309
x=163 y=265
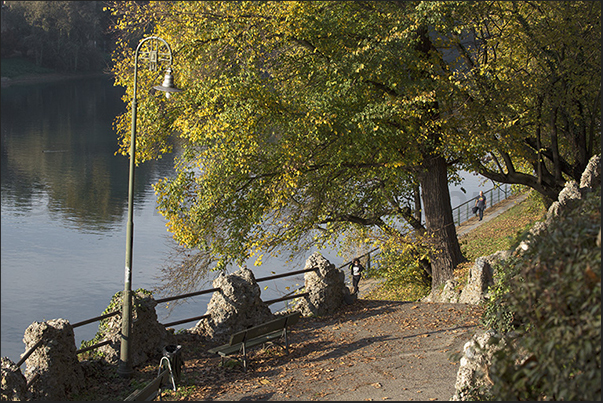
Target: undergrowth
x=548 y=301
x=403 y=283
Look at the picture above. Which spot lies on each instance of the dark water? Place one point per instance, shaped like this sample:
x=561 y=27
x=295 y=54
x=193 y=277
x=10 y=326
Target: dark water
x=64 y=209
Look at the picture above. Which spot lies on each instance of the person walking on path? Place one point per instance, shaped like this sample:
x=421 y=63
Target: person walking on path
x=480 y=203
x=356 y=270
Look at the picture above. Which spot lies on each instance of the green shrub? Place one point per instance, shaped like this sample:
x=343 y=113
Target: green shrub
x=550 y=297
x=402 y=268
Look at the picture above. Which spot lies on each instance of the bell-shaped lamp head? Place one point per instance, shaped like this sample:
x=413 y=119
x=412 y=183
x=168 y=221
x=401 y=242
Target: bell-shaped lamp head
x=168 y=84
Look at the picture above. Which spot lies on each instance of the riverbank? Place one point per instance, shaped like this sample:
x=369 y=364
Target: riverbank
x=29 y=79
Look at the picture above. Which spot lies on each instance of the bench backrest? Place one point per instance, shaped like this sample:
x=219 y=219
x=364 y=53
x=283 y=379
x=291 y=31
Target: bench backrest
x=151 y=391
x=293 y=318
x=265 y=328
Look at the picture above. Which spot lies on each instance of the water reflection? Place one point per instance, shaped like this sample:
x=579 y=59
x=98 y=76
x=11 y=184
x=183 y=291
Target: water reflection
x=59 y=139
x=64 y=203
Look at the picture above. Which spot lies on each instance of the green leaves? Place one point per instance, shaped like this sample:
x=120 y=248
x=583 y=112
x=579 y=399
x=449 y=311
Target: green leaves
x=553 y=294
x=531 y=64
x=304 y=121
x=290 y=121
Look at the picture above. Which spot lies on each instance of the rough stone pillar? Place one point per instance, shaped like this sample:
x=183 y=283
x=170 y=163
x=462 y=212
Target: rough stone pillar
x=235 y=307
x=14 y=384
x=474 y=365
x=149 y=337
x=480 y=278
x=591 y=177
x=326 y=286
x=55 y=362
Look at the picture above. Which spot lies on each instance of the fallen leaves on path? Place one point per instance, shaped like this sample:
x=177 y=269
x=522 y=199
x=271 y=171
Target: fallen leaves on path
x=338 y=352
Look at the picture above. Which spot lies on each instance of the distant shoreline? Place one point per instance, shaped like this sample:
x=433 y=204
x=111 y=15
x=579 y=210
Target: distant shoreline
x=29 y=79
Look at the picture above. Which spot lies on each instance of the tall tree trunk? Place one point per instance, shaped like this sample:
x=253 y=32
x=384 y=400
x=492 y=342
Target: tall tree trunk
x=439 y=221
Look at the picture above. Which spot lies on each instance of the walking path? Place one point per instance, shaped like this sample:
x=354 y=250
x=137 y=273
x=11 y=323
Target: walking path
x=490 y=213
x=369 y=350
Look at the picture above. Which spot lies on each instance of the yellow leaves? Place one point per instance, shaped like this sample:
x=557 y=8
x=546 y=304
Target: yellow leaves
x=395 y=164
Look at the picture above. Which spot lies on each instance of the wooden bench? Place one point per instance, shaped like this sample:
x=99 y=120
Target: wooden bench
x=153 y=389
x=270 y=331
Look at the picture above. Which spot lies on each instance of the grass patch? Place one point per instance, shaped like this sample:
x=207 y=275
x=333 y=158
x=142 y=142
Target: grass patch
x=391 y=290
x=18 y=66
x=502 y=232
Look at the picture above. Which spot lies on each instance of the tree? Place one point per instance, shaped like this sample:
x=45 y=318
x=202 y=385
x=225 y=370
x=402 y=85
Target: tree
x=59 y=34
x=300 y=121
x=306 y=120
x=530 y=85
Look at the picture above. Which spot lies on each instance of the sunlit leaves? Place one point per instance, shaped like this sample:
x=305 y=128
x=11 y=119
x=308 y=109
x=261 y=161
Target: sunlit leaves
x=533 y=78
x=301 y=121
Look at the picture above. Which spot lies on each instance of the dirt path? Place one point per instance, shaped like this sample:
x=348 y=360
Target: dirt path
x=371 y=350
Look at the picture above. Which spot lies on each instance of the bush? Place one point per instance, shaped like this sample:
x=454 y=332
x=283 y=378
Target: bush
x=548 y=300
x=402 y=267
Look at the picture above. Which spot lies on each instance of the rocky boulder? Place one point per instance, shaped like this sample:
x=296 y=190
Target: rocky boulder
x=591 y=177
x=481 y=277
x=149 y=337
x=449 y=294
x=571 y=193
x=326 y=287
x=54 y=364
x=14 y=384
x=235 y=307
x=473 y=374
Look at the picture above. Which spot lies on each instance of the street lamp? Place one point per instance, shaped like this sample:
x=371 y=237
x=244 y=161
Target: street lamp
x=155 y=50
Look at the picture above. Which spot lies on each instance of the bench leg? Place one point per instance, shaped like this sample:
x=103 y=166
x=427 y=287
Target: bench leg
x=244 y=358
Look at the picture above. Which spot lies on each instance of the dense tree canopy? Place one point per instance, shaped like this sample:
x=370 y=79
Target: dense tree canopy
x=531 y=78
x=63 y=35
x=303 y=121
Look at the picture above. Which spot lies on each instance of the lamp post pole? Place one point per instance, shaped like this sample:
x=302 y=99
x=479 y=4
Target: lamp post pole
x=156 y=50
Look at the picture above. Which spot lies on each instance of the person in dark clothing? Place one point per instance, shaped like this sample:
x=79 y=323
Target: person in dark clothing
x=480 y=203
x=356 y=270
